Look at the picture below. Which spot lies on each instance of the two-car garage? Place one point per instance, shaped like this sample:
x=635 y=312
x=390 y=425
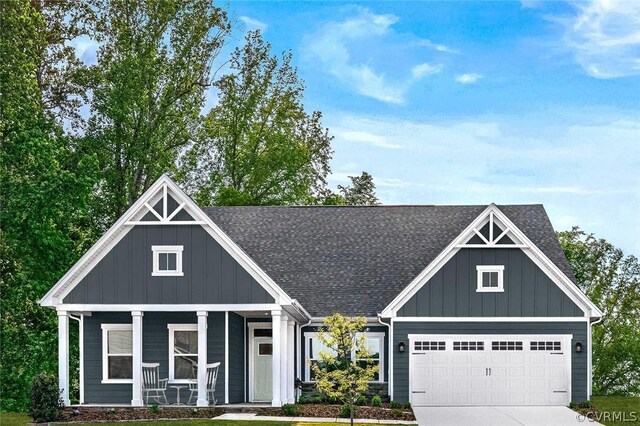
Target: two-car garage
x=481 y=369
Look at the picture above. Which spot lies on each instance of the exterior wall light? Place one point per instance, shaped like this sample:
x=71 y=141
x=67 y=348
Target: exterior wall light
x=401 y=347
x=578 y=347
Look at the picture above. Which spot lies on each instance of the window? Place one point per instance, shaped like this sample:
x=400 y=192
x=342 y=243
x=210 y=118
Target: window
x=429 y=346
x=490 y=278
x=375 y=344
x=117 y=353
x=546 y=346
x=167 y=261
x=506 y=346
x=468 y=346
x=265 y=349
x=183 y=352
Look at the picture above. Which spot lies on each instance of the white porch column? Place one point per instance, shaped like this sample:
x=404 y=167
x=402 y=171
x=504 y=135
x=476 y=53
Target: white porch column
x=136 y=320
x=63 y=355
x=275 y=359
x=284 y=356
x=290 y=364
x=202 y=359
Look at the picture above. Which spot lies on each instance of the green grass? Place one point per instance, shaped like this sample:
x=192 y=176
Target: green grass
x=21 y=419
x=617 y=404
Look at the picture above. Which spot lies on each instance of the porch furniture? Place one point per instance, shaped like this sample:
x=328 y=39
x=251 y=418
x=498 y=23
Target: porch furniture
x=177 y=388
x=152 y=383
x=212 y=378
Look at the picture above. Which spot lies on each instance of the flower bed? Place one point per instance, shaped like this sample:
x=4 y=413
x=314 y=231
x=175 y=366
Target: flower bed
x=384 y=412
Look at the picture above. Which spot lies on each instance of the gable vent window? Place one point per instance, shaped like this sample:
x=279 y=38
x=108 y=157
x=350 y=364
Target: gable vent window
x=490 y=278
x=506 y=346
x=546 y=346
x=167 y=261
x=429 y=346
x=468 y=346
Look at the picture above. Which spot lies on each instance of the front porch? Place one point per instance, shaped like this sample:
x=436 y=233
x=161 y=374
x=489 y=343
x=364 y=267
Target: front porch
x=116 y=341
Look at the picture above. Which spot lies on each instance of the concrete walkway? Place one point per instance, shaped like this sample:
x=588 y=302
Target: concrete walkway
x=499 y=416
x=253 y=416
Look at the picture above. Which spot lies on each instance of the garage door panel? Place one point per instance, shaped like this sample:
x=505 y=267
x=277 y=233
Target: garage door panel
x=490 y=370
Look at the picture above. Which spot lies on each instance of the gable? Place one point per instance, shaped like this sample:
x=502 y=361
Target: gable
x=452 y=291
x=211 y=275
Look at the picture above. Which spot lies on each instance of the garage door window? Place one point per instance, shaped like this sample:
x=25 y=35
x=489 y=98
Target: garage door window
x=506 y=346
x=546 y=346
x=429 y=346
x=468 y=346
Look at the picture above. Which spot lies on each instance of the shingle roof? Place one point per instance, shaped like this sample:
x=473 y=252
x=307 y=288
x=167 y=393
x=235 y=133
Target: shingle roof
x=356 y=260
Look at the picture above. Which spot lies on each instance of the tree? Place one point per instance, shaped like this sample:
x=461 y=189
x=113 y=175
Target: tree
x=44 y=194
x=612 y=281
x=149 y=86
x=258 y=146
x=337 y=374
x=361 y=192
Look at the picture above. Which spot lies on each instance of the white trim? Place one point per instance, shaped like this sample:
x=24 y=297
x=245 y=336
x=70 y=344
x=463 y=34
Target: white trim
x=481 y=269
x=226 y=357
x=376 y=335
x=157 y=250
x=105 y=346
x=490 y=319
x=163 y=185
x=566 y=341
x=284 y=356
x=81 y=358
x=170 y=307
x=531 y=250
x=391 y=352
x=275 y=341
x=252 y=327
x=63 y=355
x=172 y=329
x=202 y=400
x=136 y=362
x=244 y=351
x=290 y=361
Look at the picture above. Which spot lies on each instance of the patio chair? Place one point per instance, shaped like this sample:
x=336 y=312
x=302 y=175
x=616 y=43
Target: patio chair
x=152 y=383
x=212 y=378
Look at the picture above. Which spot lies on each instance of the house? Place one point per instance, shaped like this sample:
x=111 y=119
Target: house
x=466 y=305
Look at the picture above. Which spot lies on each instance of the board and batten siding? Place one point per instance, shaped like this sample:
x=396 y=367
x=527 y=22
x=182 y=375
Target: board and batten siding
x=579 y=330
x=155 y=348
x=211 y=275
x=528 y=291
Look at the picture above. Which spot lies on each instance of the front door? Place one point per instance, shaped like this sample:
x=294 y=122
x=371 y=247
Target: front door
x=262 y=373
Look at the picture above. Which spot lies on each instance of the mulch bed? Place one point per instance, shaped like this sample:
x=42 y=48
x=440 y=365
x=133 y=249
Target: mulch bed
x=384 y=412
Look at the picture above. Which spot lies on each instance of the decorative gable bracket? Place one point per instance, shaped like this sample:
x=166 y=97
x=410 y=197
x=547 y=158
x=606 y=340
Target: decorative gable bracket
x=491 y=232
x=158 y=209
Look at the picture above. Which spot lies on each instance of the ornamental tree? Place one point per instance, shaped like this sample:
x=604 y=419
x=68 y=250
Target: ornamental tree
x=343 y=373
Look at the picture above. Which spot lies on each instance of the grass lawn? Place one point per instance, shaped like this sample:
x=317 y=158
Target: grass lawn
x=615 y=405
x=21 y=419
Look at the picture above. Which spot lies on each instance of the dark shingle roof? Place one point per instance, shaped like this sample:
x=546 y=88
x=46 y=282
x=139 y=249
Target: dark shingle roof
x=356 y=260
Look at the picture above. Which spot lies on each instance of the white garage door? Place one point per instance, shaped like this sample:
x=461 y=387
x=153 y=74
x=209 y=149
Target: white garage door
x=489 y=370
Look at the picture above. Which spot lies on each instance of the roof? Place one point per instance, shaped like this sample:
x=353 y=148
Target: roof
x=324 y=256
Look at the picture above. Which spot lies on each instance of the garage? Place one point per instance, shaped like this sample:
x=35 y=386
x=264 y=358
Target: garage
x=458 y=370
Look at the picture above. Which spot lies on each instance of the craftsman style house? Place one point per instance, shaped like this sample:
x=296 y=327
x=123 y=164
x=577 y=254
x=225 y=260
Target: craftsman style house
x=466 y=305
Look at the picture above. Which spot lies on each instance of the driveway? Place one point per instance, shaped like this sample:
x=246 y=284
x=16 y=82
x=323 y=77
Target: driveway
x=498 y=416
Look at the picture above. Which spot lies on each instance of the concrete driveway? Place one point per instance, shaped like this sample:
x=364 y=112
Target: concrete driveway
x=498 y=416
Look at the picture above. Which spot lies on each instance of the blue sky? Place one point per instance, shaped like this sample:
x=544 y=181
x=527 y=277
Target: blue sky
x=477 y=102
x=473 y=102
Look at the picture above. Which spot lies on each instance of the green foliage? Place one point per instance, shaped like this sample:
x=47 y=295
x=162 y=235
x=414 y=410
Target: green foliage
x=46 y=403
x=612 y=281
x=376 y=401
x=362 y=400
x=303 y=400
x=258 y=146
x=337 y=375
x=154 y=409
x=345 y=411
x=317 y=400
x=397 y=412
x=407 y=405
x=585 y=404
x=361 y=192
x=572 y=405
x=290 y=410
x=395 y=404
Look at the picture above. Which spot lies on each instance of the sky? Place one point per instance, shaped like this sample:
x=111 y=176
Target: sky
x=475 y=102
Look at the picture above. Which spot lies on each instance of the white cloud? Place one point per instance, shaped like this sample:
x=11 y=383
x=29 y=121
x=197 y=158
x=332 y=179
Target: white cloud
x=604 y=36
x=365 y=137
x=438 y=47
x=252 y=23
x=336 y=47
x=86 y=49
x=468 y=78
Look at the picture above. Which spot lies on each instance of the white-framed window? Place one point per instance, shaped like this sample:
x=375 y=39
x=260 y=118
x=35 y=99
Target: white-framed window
x=167 y=261
x=490 y=278
x=183 y=352
x=374 y=342
x=117 y=353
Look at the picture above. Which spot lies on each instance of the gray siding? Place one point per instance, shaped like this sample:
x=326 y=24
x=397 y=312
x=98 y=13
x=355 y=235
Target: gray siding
x=155 y=348
x=528 y=291
x=236 y=358
x=211 y=275
x=401 y=330
x=372 y=329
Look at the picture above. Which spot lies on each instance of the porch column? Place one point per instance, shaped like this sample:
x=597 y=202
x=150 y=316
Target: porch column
x=290 y=367
x=136 y=320
x=202 y=360
x=275 y=359
x=63 y=355
x=284 y=356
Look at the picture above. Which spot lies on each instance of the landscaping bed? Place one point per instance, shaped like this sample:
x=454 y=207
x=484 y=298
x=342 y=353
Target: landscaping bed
x=383 y=412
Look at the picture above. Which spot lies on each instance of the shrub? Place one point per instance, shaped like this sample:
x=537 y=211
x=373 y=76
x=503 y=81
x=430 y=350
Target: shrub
x=395 y=404
x=397 y=412
x=302 y=400
x=317 y=400
x=572 y=405
x=362 y=400
x=376 y=401
x=332 y=400
x=290 y=410
x=407 y=405
x=153 y=409
x=46 y=402
x=585 y=404
x=345 y=411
